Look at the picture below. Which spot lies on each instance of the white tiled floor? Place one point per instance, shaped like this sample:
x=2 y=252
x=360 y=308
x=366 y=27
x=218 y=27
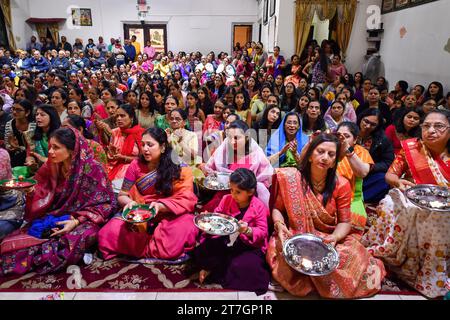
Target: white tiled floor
x=180 y=296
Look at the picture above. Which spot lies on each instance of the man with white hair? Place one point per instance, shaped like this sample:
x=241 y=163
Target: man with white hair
x=61 y=63
x=36 y=63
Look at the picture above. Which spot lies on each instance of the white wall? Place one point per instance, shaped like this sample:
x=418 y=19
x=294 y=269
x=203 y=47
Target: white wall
x=191 y=24
x=22 y=31
x=419 y=57
x=358 y=40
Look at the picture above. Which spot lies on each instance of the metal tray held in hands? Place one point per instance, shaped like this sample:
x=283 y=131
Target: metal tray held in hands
x=308 y=254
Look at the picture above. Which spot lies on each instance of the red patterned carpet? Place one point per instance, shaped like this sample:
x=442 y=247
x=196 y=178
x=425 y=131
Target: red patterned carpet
x=119 y=276
x=112 y=275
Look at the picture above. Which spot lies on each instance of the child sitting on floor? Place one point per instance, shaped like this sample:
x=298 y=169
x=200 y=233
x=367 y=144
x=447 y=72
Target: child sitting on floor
x=241 y=266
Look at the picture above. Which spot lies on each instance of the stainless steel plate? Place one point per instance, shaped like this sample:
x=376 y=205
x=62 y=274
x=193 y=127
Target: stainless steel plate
x=429 y=196
x=217 y=182
x=307 y=254
x=216 y=224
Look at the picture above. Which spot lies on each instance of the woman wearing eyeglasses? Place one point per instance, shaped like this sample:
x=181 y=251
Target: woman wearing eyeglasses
x=16 y=129
x=372 y=137
x=183 y=142
x=415 y=242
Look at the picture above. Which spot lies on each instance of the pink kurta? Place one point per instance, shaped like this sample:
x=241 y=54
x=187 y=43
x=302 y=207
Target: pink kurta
x=175 y=232
x=256 y=217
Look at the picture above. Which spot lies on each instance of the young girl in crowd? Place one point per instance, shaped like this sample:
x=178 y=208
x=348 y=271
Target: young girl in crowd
x=240 y=265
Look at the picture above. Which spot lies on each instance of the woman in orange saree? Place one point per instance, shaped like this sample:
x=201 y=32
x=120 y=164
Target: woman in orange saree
x=315 y=200
x=155 y=180
x=414 y=242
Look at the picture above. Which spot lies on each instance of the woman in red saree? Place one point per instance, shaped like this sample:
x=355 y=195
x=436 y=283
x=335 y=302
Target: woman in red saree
x=156 y=180
x=315 y=200
x=414 y=242
x=124 y=144
x=71 y=183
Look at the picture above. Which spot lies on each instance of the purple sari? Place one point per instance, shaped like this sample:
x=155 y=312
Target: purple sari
x=87 y=196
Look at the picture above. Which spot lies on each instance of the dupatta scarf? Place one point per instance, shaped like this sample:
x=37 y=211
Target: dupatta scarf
x=424 y=168
x=256 y=161
x=278 y=140
x=133 y=136
x=87 y=193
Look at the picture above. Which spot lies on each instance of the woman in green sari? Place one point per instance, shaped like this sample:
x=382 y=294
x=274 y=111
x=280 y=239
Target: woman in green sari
x=47 y=121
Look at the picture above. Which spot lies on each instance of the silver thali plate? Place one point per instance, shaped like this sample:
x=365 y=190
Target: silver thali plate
x=308 y=254
x=216 y=224
x=217 y=182
x=430 y=197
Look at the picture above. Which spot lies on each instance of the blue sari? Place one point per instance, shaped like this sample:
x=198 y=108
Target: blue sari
x=278 y=140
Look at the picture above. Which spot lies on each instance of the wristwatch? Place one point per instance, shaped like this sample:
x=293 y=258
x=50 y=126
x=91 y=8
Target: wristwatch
x=350 y=151
x=248 y=231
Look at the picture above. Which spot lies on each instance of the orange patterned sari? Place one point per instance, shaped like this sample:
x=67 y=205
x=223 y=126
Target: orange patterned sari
x=358 y=274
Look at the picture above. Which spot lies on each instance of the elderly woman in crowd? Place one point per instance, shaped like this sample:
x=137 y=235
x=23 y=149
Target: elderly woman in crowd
x=415 y=242
x=286 y=144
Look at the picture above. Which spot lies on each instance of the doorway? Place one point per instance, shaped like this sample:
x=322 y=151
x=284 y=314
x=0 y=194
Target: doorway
x=242 y=33
x=155 y=33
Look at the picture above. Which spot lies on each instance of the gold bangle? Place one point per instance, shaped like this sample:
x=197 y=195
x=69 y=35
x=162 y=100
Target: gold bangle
x=278 y=221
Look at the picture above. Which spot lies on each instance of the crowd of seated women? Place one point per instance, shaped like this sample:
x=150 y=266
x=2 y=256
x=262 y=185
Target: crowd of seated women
x=306 y=145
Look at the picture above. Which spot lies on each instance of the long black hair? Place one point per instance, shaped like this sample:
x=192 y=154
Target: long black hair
x=305 y=166
x=378 y=131
x=55 y=121
x=130 y=111
x=439 y=95
x=65 y=136
x=264 y=122
x=167 y=171
x=78 y=122
x=318 y=125
x=152 y=102
x=400 y=126
x=242 y=125
x=28 y=106
x=244 y=179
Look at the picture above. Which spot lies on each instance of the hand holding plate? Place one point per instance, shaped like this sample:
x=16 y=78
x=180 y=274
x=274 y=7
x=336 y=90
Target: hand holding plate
x=331 y=239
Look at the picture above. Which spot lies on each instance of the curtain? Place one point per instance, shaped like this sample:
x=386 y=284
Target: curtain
x=326 y=10
x=54 y=31
x=41 y=30
x=303 y=20
x=346 y=15
x=5 y=6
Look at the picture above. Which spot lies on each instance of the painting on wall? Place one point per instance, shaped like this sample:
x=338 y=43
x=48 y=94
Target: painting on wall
x=273 y=4
x=401 y=3
x=266 y=11
x=395 y=5
x=388 y=6
x=81 y=17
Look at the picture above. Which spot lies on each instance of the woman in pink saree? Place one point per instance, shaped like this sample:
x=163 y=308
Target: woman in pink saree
x=155 y=180
x=72 y=188
x=239 y=150
x=313 y=199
